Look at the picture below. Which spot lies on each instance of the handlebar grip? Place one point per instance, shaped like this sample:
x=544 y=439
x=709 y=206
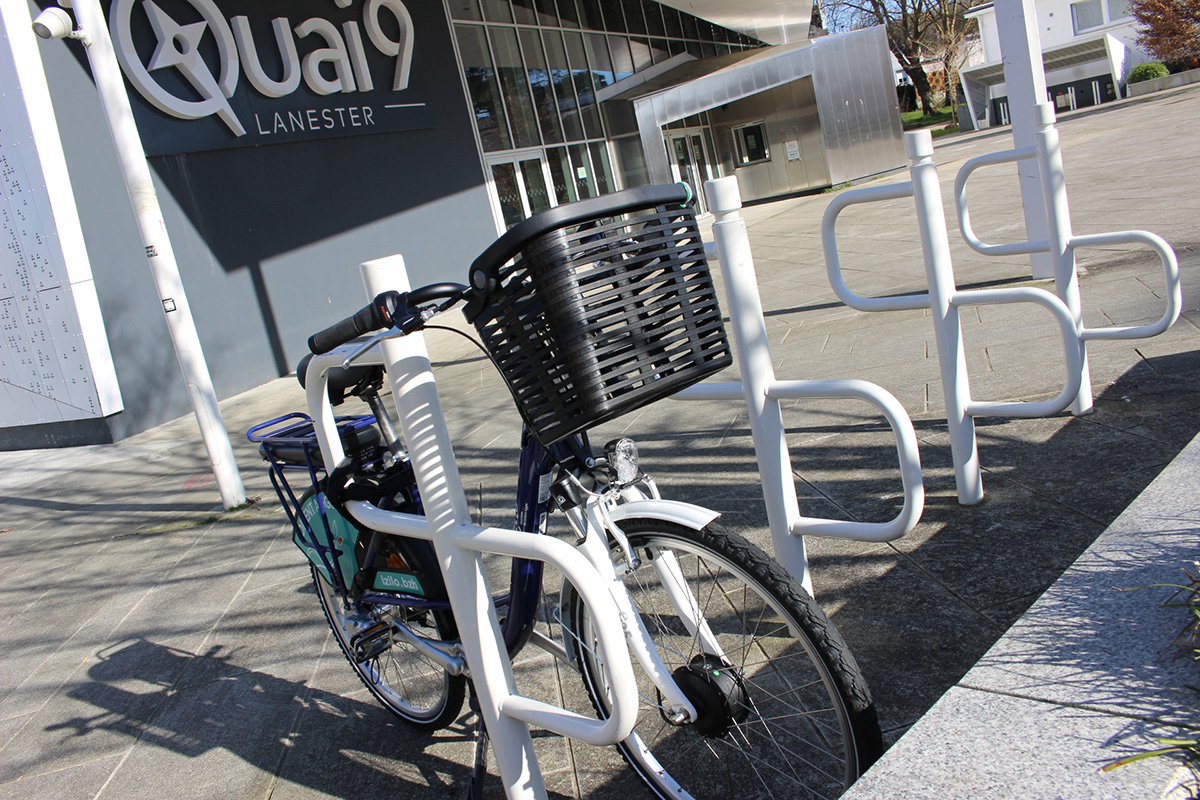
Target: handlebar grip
x=371 y=317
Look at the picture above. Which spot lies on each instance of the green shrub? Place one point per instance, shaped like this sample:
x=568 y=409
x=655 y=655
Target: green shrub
x=1148 y=71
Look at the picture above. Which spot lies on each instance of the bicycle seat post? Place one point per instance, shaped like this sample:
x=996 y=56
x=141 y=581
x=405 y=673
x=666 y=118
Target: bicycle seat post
x=431 y=454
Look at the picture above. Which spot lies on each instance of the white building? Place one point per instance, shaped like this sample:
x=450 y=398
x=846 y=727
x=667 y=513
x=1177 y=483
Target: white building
x=1088 y=48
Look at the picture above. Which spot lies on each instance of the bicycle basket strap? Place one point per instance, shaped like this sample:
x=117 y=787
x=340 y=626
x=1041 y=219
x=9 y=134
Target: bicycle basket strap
x=597 y=318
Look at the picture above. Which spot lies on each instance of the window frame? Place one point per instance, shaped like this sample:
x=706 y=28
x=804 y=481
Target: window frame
x=741 y=149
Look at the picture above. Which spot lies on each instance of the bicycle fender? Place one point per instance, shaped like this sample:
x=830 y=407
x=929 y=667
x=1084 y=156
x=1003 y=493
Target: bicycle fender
x=686 y=514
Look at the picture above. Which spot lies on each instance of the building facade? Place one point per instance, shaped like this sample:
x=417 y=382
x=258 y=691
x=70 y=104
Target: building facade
x=291 y=140
x=1088 y=49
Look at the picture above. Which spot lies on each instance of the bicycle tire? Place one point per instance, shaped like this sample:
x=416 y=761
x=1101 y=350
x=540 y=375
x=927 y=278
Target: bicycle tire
x=809 y=726
x=405 y=682
x=411 y=686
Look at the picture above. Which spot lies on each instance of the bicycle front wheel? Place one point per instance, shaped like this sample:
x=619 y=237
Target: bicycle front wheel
x=408 y=683
x=784 y=711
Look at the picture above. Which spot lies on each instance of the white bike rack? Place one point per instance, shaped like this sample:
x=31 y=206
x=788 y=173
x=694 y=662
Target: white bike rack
x=1062 y=244
x=763 y=393
x=944 y=299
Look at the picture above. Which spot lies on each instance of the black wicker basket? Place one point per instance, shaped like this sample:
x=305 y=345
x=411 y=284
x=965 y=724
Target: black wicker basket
x=593 y=320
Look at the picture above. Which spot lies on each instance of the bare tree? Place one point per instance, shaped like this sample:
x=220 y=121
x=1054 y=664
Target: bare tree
x=918 y=31
x=1169 y=30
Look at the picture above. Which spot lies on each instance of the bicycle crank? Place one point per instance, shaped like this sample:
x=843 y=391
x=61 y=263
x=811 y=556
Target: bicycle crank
x=371 y=642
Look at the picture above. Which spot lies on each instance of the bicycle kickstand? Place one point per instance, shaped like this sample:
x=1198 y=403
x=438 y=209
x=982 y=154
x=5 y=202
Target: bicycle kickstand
x=475 y=790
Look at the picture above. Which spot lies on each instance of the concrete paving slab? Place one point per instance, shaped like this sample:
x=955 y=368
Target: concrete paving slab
x=158 y=577
x=1058 y=754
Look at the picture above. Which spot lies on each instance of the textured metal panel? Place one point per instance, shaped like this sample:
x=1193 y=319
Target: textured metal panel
x=853 y=89
x=857 y=103
x=788 y=114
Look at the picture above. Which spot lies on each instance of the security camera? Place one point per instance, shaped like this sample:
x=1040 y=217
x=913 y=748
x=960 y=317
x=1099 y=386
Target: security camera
x=53 y=23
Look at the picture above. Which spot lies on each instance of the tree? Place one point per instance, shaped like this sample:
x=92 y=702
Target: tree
x=918 y=31
x=1169 y=30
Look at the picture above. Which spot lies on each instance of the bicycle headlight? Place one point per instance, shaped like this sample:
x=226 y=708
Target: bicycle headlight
x=622 y=456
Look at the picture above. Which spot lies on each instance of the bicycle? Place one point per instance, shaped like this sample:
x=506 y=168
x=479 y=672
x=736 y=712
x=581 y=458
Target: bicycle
x=689 y=640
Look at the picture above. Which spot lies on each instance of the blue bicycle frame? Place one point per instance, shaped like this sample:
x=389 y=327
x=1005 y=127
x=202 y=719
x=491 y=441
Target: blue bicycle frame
x=535 y=466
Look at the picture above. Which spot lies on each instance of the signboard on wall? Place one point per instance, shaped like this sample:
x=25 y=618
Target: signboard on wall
x=214 y=74
x=55 y=364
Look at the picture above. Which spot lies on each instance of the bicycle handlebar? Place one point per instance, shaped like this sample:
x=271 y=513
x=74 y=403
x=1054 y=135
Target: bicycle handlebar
x=386 y=310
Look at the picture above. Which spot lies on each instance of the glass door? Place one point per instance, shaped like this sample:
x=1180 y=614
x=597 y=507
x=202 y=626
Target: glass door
x=691 y=162
x=520 y=186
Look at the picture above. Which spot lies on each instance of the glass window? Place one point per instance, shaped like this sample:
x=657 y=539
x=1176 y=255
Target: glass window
x=1118 y=9
x=689 y=25
x=584 y=89
x=497 y=11
x=542 y=85
x=654 y=18
x=659 y=50
x=641 y=54
x=622 y=61
x=535 y=185
x=635 y=21
x=524 y=12
x=483 y=87
x=569 y=13
x=585 y=182
x=1086 y=15
x=509 y=193
x=672 y=21
x=560 y=169
x=564 y=87
x=604 y=179
x=751 y=144
x=515 y=87
x=590 y=14
x=465 y=9
x=547 y=12
x=597 y=53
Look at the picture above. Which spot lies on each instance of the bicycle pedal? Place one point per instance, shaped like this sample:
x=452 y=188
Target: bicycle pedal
x=371 y=642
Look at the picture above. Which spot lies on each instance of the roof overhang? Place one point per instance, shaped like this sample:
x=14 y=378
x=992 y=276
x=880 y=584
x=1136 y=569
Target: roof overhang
x=770 y=21
x=1053 y=58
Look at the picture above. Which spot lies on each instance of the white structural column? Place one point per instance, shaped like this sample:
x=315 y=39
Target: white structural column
x=109 y=83
x=1025 y=78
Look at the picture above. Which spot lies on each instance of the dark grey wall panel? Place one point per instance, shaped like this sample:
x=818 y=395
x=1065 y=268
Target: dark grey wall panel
x=268 y=238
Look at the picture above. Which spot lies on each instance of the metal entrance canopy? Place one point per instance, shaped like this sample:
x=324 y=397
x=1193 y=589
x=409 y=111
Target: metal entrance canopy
x=854 y=87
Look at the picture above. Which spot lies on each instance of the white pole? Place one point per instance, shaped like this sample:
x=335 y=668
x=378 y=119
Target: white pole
x=111 y=87
x=1025 y=78
x=1058 y=215
x=758 y=375
x=939 y=272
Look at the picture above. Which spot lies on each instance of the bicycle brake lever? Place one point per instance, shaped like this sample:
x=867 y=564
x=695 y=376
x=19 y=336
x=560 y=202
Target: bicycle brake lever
x=366 y=346
x=415 y=322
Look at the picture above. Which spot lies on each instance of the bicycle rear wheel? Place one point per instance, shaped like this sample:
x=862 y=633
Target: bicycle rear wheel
x=409 y=684
x=784 y=710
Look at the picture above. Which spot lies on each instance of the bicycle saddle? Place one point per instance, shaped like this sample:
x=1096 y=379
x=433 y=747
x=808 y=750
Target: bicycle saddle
x=341 y=379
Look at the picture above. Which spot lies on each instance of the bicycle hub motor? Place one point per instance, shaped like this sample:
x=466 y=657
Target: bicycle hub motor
x=716 y=690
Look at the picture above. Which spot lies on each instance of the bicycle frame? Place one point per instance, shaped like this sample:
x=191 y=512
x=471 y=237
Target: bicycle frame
x=460 y=545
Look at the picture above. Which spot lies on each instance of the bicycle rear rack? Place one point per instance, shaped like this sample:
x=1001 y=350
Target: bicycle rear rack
x=289 y=445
